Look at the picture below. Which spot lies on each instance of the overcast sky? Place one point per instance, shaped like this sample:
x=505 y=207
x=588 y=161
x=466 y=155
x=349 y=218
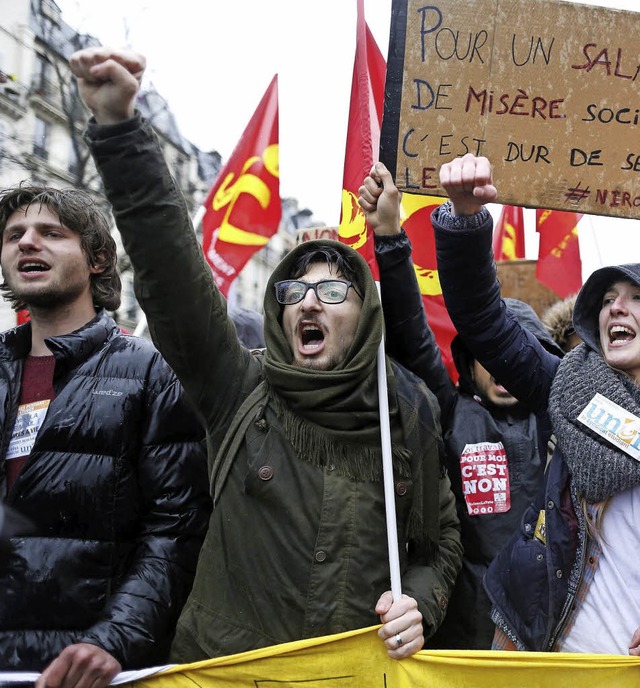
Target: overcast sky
x=213 y=61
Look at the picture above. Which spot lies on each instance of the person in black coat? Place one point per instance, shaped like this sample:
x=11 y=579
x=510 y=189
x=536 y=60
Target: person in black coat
x=249 y=326
x=101 y=452
x=496 y=449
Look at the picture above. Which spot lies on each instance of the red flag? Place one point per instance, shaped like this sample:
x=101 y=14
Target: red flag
x=363 y=140
x=508 y=237
x=243 y=208
x=559 y=266
x=417 y=210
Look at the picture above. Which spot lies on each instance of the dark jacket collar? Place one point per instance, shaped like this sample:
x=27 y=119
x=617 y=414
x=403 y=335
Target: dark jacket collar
x=77 y=345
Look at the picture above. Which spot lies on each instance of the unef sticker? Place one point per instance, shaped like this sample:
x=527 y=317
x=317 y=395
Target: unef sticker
x=28 y=422
x=620 y=427
x=485 y=478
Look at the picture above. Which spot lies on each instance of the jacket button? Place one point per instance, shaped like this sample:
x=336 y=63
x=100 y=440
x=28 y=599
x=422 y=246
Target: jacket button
x=320 y=556
x=527 y=527
x=539 y=557
x=401 y=489
x=558 y=573
x=265 y=473
x=550 y=505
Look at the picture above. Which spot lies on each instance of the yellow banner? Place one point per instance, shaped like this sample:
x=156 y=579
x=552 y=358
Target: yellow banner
x=358 y=659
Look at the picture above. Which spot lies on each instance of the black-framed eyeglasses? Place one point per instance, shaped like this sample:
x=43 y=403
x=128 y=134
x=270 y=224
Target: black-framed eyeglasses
x=328 y=291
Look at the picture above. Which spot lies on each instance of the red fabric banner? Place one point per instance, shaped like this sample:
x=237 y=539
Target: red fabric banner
x=363 y=138
x=559 y=266
x=508 y=236
x=363 y=143
x=243 y=208
x=417 y=224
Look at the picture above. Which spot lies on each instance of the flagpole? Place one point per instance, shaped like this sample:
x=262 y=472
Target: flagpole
x=387 y=472
x=141 y=325
x=363 y=137
x=197 y=218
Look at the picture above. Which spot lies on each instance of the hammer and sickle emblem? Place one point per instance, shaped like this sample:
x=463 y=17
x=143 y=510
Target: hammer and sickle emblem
x=230 y=192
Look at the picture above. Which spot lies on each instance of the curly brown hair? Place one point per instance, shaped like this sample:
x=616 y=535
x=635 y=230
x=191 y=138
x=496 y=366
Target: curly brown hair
x=77 y=211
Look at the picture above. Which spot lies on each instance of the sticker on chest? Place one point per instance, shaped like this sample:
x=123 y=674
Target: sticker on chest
x=28 y=421
x=485 y=478
x=617 y=425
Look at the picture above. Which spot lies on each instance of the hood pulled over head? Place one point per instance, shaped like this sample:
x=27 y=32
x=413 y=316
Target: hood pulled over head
x=369 y=330
x=589 y=301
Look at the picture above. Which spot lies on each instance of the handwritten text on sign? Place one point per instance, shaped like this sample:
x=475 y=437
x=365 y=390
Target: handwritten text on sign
x=548 y=91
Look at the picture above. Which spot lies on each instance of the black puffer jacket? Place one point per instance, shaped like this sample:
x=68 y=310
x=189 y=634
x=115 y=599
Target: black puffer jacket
x=116 y=487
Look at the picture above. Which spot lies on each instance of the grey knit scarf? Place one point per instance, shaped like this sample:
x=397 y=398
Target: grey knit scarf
x=598 y=468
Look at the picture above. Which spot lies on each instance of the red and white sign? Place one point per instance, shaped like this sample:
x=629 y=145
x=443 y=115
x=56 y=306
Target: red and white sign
x=485 y=478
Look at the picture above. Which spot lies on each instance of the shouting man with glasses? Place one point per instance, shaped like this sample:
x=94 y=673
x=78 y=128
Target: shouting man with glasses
x=313 y=343
x=297 y=543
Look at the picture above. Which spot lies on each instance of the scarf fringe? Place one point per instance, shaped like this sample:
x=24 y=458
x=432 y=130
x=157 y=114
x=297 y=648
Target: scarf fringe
x=351 y=460
x=357 y=463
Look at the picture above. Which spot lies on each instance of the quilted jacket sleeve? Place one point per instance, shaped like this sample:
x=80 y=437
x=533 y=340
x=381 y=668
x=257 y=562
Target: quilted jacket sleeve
x=409 y=338
x=172 y=516
x=472 y=295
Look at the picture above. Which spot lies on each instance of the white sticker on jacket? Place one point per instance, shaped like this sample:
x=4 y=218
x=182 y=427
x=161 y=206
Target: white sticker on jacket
x=485 y=478
x=617 y=425
x=28 y=422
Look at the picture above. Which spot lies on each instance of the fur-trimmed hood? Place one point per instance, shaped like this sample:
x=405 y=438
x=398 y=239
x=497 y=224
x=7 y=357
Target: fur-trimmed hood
x=558 y=319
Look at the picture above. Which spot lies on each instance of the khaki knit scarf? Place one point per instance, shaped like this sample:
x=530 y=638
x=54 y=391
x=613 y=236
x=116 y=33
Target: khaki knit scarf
x=331 y=416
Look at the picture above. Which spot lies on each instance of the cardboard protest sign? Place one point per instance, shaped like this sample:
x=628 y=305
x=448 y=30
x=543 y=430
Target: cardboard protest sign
x=548 y=91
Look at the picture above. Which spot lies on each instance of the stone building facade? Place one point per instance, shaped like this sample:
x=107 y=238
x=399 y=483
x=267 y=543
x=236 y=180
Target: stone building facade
x=41 y=125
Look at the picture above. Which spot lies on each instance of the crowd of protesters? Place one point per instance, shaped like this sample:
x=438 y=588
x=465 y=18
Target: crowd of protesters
x=480 y=420
x=219 y=494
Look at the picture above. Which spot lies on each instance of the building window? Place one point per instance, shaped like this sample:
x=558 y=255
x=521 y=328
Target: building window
x=178 y=170
x=74 y=166
x=50 y=11
x=3 y=139
x=42 y=76
x=40 y=137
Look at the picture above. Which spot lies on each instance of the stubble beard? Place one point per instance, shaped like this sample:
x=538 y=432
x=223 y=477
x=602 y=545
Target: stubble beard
x=48 y=298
